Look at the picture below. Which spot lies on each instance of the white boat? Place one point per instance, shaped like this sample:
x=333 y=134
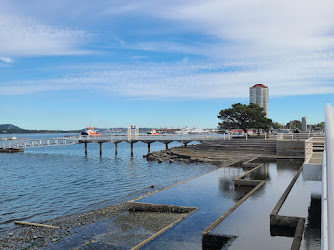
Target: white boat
x=183 y=131
x=91 y=131
x=198 y=131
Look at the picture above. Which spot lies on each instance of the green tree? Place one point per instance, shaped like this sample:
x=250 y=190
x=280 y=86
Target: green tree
x=295 y=124
x=276 y=125
x=242 y=116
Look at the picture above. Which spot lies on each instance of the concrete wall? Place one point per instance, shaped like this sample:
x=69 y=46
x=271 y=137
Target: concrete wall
x=290 y=148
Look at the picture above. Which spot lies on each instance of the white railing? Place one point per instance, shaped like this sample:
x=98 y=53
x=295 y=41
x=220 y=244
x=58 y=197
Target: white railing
x=298 y=136
x=38 y=143
x=314 y=148
x=167 y=137
x=329 y=220
x=70 y=140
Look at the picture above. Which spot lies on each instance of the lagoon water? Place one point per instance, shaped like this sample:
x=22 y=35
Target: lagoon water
x=45 y=183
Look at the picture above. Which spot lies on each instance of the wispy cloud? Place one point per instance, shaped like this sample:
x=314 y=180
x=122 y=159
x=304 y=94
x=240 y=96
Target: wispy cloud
x=6 y=59
x=24 y=36
x=287 y=45
x=186 y=80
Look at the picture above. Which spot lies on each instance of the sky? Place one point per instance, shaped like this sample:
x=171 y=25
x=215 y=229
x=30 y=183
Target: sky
x=68 y=64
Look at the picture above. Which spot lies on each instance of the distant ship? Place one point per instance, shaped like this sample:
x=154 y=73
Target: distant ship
x=91 y=131
x=198 y=131
x=153 y=132
x=183 y=131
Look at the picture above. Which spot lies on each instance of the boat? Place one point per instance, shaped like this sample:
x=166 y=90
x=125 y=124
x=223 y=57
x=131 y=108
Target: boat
x=153 y=132
x=183 y=131
x=91 y=131
x=198 y=131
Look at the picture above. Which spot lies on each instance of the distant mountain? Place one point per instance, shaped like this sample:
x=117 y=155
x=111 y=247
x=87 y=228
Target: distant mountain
x=9 y=127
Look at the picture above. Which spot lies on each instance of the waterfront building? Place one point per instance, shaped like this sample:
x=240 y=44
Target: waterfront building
x=304 y=123
x=259 y=94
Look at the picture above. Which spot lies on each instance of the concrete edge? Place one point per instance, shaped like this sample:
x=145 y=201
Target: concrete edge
x=289 y=223
x=236 y=205
x=243 y=175
x=158 y=208
x=297 y=239
x=286 y=193
x=163 y=230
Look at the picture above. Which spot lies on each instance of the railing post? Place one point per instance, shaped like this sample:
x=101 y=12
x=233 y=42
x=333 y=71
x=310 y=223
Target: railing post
x=246 y=136
x=229 y=136
x=265 y=135
x=292 y=137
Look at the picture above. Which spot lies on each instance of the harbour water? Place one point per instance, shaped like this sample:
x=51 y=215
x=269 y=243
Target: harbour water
x=45 y=183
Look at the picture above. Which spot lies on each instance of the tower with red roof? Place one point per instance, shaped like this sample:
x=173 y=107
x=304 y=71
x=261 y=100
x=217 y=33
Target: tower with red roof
x=259 y=94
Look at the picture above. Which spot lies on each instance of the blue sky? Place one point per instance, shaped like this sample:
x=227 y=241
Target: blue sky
x=66 y=64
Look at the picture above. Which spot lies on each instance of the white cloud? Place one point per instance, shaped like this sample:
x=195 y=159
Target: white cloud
x=186 y=80
x=22 y=36
x=6 y=59
x=287 y=45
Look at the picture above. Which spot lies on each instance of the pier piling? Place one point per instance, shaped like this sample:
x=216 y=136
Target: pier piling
x=131 y=148
x=116 y=148
x=86 y=149
x=166 y=146
x=149 y=148
x=100 y=148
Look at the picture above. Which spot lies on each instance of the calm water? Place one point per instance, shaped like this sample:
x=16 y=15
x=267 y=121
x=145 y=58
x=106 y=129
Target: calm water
x=45 y=183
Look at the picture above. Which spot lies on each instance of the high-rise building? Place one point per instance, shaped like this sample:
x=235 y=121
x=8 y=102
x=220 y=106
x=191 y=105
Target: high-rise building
x=259 y=94
x=304 y=123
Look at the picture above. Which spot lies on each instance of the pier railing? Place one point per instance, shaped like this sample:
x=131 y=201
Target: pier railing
x=38 y=143
x=298 y=136
x=167 y=137
x=314 y=148
x=70 y=140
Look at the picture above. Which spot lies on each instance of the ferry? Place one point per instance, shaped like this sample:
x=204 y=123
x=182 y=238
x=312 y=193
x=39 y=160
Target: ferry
x=183 y=131
x=198 y=131
x=153 y=132
x=91 y=131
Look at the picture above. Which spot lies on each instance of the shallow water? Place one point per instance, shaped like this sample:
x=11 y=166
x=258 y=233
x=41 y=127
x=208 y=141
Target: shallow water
x=45 y=183
x=215 y=193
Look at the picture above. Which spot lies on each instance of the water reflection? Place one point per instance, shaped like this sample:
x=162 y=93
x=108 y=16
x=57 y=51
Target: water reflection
x=229 y=191
x=262 y=173
x=312 y=232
